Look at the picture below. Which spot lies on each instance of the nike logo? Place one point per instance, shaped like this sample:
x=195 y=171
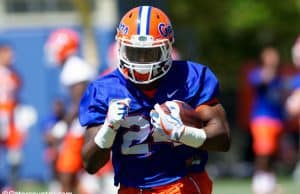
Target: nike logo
x=170 y=95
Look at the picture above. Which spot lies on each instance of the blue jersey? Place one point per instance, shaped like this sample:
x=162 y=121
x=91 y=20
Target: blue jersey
x=267 y=99
x=140 y=158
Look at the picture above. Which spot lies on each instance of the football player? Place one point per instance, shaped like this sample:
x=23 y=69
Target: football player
x=10 y=135
x=152 y=151
x=266 y=121
x=62 y=49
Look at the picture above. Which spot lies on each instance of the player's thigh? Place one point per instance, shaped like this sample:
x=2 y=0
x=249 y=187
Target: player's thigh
x=197 y=183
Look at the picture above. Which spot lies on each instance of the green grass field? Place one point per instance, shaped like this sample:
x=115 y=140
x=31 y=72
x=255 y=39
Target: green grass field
x=229 y=186
x=226 y=186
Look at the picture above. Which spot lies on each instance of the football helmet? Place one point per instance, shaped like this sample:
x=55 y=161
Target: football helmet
x=60 y=45
x=296 y=52
x=144 y=43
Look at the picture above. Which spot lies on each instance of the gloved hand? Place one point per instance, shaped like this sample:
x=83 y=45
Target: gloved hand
x=169 y=125
x=117 y=111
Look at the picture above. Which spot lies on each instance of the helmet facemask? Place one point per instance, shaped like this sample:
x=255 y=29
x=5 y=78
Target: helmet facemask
x=143 y=60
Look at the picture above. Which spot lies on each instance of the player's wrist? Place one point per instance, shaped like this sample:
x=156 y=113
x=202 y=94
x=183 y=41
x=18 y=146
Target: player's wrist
x=192 y=136
x=177 y=134
x=105 y=136
x=114 y=125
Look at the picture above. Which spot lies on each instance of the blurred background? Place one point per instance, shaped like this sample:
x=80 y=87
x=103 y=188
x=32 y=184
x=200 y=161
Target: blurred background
x=228 y=36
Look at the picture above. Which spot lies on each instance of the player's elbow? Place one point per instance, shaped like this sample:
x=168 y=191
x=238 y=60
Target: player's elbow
x=92 y=164
x=93 y=158
x=89 y=163
x=226 y=142
x=90 y=168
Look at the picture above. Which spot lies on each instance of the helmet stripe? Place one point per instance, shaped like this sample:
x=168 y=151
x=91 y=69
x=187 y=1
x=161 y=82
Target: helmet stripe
x=148 y=20
x=139 y=21
x=144 y=20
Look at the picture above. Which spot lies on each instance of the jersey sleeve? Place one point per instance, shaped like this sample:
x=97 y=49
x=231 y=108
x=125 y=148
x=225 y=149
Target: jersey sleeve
x=93 y=106
x=207 y=90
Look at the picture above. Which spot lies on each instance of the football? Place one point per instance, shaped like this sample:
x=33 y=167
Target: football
x=187 y=114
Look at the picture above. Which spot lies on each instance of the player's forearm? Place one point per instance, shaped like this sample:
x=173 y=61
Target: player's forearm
x=94 y=157
x=216 y=128
x=217 y=136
